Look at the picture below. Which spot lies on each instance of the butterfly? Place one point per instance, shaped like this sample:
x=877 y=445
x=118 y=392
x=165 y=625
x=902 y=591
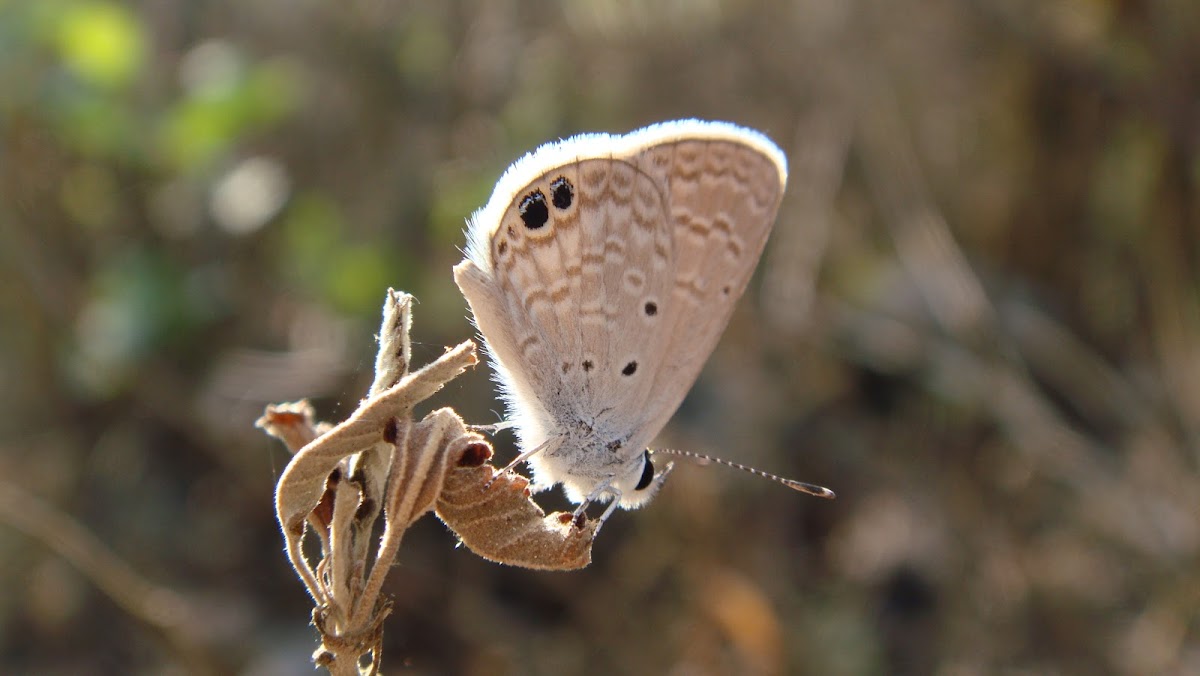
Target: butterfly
x=601 y=274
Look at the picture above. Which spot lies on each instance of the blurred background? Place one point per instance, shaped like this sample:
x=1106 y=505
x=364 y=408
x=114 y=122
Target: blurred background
x=977 y=320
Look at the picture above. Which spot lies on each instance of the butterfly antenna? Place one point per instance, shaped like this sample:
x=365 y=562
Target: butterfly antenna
x=811 y=489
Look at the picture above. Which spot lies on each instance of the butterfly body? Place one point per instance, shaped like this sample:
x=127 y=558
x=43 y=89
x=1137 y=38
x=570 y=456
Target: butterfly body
x=601 y=274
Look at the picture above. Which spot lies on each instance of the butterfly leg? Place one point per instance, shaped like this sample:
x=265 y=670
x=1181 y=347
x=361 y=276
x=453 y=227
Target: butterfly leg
x=492 y=428
x=605 y=487
x=522 y=458
x=660 y=478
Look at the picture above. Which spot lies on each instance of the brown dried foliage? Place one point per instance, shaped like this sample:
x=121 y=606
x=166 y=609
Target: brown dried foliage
x=341 y=477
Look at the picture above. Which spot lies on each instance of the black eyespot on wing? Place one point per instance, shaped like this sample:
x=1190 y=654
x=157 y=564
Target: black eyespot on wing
x=647 y=473
x=651 y=308
x=533 y=210
x=629 y=369
x=562 y=192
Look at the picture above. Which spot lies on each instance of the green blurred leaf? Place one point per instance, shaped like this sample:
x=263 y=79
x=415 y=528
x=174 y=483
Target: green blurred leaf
x=456 y=199
x=272 y=90
x=96 y=124
x=141 y=304
x=355 y=275
x=102 y=43
x=317 y=257
x=210 y=120
x=311 y=228
x=196 y=130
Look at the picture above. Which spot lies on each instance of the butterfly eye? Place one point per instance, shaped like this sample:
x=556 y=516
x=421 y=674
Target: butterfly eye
x=533 y=210
x=563 y=192
x=647 y=473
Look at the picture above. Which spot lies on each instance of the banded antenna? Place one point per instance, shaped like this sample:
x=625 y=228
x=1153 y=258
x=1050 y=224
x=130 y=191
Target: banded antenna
x=811 y=489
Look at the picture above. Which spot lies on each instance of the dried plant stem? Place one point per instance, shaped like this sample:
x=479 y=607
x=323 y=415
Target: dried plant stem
x=412 y=491
x=340 y=480
x=303 y=482
x=380 y=461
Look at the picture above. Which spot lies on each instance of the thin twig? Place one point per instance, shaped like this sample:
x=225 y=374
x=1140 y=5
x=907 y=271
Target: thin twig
x=170 y=614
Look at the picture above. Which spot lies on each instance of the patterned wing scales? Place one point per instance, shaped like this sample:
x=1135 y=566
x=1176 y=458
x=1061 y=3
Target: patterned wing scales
x=578 y=256
x=723 y=196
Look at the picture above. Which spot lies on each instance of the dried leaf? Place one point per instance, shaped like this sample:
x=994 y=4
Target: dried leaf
x=495 y=516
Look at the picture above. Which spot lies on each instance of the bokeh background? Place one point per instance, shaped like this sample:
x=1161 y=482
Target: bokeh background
x=978 y=320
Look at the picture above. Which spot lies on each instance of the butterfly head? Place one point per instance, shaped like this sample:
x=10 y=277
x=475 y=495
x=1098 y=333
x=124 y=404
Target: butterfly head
x=640 y=482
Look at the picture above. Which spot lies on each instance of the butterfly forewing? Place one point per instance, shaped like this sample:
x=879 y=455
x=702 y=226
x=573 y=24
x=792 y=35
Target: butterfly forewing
x=559 y=292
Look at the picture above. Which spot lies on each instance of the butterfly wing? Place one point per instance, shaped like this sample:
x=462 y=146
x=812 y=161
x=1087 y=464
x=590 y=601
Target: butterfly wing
x=723 y=191
x=602 y=273
x=578 y=252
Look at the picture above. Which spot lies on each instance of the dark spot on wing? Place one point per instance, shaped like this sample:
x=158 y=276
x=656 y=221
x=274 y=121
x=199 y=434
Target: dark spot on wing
x=562 y=192
x=533 y=210
x=629 y=369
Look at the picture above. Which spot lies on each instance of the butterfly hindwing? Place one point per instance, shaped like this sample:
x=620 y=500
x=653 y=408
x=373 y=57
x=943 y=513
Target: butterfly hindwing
x=723 y=197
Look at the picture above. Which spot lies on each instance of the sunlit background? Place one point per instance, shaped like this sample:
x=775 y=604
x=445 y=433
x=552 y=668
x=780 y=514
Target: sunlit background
x=978 y=320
